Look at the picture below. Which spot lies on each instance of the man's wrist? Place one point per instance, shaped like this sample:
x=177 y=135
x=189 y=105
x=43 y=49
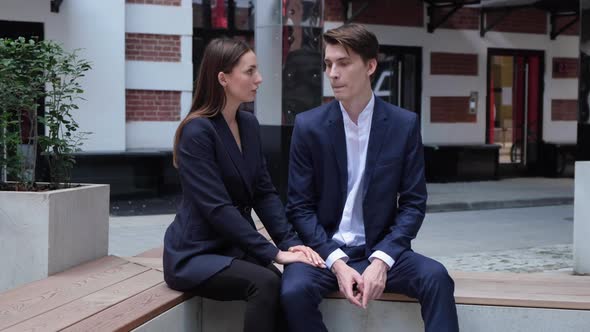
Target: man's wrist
x=334 y=256
x=336 y=265
x=380 y=263
x=384 y=257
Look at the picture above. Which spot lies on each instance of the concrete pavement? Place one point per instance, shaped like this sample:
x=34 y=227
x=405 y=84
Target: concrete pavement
x=477 y=237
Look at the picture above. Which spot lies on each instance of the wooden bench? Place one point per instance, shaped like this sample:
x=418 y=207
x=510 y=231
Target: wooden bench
x=128 y=293
x=108 y=294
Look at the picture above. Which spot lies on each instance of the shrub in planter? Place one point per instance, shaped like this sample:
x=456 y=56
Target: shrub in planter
x=46 y=227
x=35 y=74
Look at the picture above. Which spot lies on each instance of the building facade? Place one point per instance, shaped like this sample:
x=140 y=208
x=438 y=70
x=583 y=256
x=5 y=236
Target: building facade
x=496 y=88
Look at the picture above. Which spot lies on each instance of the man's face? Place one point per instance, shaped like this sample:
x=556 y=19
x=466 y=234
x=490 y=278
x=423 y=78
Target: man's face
x=349 y=75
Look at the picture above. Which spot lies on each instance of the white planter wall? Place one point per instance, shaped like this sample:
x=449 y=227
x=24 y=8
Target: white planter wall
x=582 y=218
x=42 y=233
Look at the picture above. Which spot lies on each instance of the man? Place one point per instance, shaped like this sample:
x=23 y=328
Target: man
x=357 y=195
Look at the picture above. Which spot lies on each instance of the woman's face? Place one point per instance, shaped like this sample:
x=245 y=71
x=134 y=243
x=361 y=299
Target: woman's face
x=244 y=79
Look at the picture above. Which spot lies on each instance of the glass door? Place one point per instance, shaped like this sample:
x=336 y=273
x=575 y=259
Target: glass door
x=398 y=76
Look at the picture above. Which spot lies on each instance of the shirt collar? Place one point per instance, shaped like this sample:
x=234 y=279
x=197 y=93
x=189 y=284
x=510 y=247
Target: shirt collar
x=366 y=114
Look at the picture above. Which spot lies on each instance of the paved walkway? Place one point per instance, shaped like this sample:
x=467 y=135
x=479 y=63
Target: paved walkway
x=469 y=240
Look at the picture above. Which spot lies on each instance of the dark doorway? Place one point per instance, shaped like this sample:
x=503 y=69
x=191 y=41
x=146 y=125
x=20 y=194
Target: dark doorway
x=515 y=106
x=398 y=76
x=13 y=30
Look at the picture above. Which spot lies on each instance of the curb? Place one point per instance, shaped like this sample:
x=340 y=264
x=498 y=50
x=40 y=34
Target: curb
x=492 y=205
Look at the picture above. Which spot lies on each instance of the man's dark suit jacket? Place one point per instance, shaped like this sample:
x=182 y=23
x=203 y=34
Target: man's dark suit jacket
x=220 y=185
x=394 y=166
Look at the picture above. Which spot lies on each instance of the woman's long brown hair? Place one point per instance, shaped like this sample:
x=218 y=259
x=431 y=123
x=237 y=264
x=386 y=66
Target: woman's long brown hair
x=221 y=55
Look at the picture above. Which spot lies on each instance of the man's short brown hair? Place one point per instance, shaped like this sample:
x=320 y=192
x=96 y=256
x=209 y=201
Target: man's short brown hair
x=354 y=37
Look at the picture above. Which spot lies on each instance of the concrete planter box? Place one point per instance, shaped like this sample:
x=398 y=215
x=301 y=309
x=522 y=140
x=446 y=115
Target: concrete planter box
x=582 y=218
x=42 y=233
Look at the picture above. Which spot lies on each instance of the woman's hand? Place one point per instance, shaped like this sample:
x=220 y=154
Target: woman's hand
x=310 y=254
x=298 y=255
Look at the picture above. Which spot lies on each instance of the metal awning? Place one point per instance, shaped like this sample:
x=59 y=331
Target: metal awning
x=55 y=5
x=556 y=8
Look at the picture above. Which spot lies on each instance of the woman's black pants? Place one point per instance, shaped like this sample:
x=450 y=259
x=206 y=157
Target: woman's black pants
x=259 y=286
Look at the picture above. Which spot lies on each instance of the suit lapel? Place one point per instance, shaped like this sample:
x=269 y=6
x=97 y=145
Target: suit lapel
x=232 y=148
x=250 y=144
x=379 y=126
x=338 y=139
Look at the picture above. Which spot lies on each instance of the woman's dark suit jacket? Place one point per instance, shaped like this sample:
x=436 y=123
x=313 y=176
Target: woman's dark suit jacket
x=220 y=186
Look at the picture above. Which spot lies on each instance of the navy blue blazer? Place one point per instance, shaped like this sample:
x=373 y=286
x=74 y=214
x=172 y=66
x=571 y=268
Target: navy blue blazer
x=394 y=186
x=220 y=185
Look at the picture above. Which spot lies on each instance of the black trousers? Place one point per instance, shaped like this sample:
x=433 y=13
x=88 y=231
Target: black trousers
x=259 y=286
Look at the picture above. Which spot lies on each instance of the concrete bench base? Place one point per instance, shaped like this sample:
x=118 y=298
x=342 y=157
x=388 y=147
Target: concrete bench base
x=204 y=315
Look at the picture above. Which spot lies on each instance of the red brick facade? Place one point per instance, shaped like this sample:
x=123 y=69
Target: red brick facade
x=333 y=10
x=565 y=67
x=156 y=2
x=150 y=47
x=151 y=105
x=392 y=12
x=453 y=64
x=464 y=19
x=450 y=110
x=564 y=109
x=526 y=20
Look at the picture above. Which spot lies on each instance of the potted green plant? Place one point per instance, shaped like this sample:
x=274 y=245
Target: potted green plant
x=46 y=226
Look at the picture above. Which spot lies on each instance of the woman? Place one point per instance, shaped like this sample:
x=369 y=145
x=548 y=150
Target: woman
x=213 y=248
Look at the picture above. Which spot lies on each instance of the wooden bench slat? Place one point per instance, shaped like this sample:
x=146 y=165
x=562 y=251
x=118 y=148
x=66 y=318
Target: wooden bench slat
x=152 y=253
x=133 y=312
x=89 y=305
x=551 y=293
x=151 y=262
x=41 y=296
x=541 y=276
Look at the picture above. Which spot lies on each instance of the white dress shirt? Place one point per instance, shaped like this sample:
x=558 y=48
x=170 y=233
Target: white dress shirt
x=351 y=231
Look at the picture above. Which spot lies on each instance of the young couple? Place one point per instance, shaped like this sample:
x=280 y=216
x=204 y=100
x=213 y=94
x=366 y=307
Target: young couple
x=356 y=197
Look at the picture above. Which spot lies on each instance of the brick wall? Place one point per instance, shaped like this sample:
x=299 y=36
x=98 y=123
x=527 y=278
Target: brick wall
x=524 y=20
x=333 y=10
x=573 y=30
x=565 y=67
x=151 y=47
x=564 y=109
x=151 y=105
x=450 y=110
x=464 y=18
x=453 y=64
x=156 y=2
x=392 y=12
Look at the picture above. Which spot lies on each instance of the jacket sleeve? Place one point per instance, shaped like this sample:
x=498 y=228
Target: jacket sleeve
x=201 y=177
x=269 y=207
x=412 y=198
x=301 y=202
